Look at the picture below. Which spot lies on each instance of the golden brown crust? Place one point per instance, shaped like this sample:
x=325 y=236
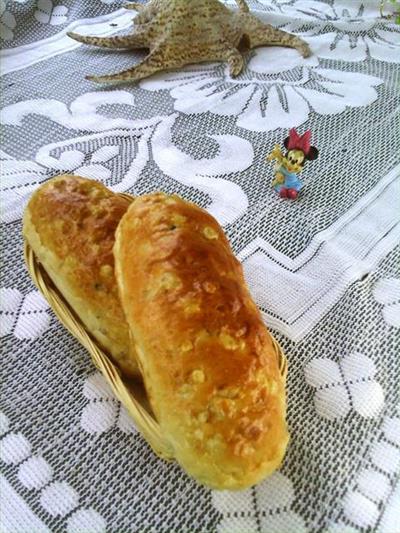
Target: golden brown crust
x=70 y=223
x=209 y=363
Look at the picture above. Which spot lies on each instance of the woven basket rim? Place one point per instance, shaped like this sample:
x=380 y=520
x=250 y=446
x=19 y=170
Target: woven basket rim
x=145 y=422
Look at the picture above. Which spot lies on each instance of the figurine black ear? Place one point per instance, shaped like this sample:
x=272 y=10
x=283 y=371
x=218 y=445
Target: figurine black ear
x=286 y=142
x=312 y=153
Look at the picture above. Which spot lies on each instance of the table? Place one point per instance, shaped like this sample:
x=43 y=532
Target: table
x=324 y=269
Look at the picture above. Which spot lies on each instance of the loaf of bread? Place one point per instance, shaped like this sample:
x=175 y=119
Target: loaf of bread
x=70 y=224
x=209 y=364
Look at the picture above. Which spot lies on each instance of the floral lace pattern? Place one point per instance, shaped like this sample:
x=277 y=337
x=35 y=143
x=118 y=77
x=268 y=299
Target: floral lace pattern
x=324 y=269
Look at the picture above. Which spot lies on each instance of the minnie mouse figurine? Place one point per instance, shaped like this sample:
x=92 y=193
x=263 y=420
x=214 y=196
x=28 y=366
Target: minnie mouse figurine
x=286 y=181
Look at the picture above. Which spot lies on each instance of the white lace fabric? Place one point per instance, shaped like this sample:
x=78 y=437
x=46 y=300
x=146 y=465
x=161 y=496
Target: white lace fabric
x=324 y=269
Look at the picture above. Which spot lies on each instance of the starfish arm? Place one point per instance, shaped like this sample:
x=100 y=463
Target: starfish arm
x=268 y=35
x=153 y=63
x=243 y=7
x=136 y=6
x=235 y=61
x=119 y=41
x=145 y=12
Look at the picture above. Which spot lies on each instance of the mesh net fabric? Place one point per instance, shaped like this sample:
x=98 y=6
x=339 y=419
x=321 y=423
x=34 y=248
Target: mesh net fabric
x=35 y=19
x=47 y=377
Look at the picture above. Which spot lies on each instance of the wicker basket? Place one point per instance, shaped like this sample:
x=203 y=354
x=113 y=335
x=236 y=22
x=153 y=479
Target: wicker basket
x=130 y=393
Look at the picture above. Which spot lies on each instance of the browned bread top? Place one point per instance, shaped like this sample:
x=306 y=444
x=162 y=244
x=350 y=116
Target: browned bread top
x=70 y=223
x=209 y=363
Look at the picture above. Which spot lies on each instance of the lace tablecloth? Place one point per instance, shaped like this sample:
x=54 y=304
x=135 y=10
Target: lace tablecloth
x=324 y=269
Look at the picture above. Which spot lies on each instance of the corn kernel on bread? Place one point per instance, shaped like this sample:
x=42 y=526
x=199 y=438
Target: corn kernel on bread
x=70 y=224
x=209 y=364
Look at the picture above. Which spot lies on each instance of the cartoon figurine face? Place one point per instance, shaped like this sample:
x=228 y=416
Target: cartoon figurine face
x=299 y=149
x=295 y=160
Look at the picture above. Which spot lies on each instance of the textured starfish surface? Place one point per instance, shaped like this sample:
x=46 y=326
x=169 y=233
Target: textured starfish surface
x=180 y=32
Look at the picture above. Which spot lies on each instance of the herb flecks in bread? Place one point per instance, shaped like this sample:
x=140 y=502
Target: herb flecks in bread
x=210 y=365
x=70 y=224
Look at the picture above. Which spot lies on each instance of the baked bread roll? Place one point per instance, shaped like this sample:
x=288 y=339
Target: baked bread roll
x=70 y=224
x=209 y=364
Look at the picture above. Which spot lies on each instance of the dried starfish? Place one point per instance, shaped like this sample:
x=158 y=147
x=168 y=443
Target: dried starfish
x=180 y=32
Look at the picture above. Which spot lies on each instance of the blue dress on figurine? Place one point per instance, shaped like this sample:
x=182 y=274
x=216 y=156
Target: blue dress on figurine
x=291 y=180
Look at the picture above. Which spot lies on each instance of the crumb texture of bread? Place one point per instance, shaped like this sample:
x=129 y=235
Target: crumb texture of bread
x=70 y=224
x=209 y=363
